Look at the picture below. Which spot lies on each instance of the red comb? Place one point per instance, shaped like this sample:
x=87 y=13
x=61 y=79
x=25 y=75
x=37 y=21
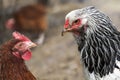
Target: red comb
x=19 y=36
x=10 y=24
x=66 y=23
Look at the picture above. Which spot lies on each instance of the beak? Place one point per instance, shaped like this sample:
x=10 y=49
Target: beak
x=65 y=30
x=31 y=44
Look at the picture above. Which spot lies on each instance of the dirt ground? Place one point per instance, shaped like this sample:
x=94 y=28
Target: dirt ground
x=58 y=58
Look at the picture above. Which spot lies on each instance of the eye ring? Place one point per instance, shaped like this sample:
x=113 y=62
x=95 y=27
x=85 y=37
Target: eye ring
x=20 y=44
x=76 y=21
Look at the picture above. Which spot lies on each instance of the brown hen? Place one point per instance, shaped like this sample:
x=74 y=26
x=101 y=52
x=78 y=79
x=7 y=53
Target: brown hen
x=12 y=56
x=30 y=19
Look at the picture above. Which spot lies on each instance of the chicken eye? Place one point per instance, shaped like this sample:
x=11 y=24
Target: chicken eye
x=20 y=44
x=76 y=21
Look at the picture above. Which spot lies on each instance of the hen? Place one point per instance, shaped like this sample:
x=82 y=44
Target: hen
x=30 y=19
x=12 y=56
x=98 y=42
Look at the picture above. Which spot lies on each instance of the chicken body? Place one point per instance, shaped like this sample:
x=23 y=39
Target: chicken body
x=30 y=20
x=98 y=42
x=12 y=67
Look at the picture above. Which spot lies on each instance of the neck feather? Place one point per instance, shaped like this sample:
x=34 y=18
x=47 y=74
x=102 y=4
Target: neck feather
x=99 y=51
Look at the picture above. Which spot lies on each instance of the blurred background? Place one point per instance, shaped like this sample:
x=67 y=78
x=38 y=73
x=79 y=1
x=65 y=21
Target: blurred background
x=56 y=57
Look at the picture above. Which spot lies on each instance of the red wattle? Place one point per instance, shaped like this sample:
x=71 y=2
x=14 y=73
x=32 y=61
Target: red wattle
x=27 y=55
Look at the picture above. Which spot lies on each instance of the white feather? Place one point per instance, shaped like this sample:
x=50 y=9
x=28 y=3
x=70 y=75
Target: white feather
x=84 y=21
x=111 y=76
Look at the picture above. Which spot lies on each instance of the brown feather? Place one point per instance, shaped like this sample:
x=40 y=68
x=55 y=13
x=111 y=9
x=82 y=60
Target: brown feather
x=11 y=67
x=31 y=18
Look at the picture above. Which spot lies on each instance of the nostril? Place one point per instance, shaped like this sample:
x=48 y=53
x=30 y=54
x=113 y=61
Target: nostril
x=14 y=49
x=66 y=28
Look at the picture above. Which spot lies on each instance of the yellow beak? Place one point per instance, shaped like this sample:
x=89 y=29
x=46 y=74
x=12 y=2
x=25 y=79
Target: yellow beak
x=65 y=30
x=31 y=44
